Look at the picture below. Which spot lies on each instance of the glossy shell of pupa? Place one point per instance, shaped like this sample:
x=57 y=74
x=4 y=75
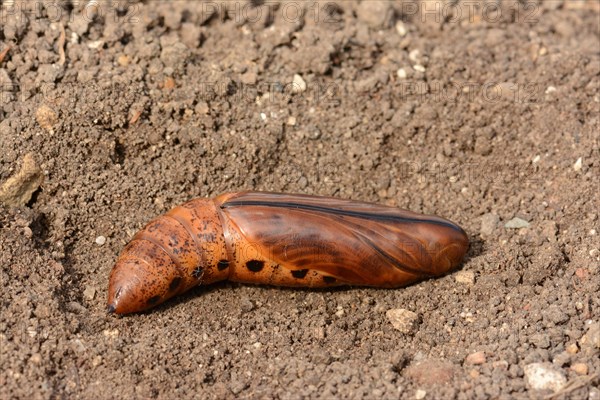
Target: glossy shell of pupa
x=284 y=240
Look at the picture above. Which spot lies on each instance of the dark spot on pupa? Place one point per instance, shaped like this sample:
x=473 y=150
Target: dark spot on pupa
x=153 y=300
x=222 y=264
x=300 y=273
x=197 y=272
x=328 y=279
x=174 y=283
x=255 y=265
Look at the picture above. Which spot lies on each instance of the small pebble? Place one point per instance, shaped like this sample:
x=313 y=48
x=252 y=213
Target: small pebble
x=169 y=83
x=420 y=394
x=580 y=368
x=46 y=117
x=202 y=108
x=5 y=81
x=516 y=223
x=401 y=73
x=476 y=358
x=31 y=331
x=540 y=340
x=17 y=190
x=582 y=273
x=89 y=293
x=489 y=222
x=431 y=371
x=95 y=44
x=419 y=68
x=375 y=13
x=291 y=121
x=561 y=359
x=123 y=60
x=572 y=348
x=97 y=361
x=111 y=333
x=474 y=374
x=483 y=145
x=401 y=28
x=36 y=358
x=467 y=277
x=246 y=305
x=555 y=314
x=298 y=84
x=414 y=55
x=578 y=164
x=543 y=376
x=500 y=364
x=549 y=230
x=100 y=240
x=249 y=78
x=403 y=320
x=591 y=340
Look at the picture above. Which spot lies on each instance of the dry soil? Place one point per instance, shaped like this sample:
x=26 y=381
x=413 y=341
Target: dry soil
x=478 y=111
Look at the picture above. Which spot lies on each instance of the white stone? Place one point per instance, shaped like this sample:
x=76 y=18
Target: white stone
x=516 y=223
x=578 y=164
x=298 y=84
x=100 y=240
x=543 y=376
x=414 y=55
x=95 y=44
x=401 y=28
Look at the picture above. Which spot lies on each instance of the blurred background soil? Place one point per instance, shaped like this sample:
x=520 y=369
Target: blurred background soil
x=481 y=111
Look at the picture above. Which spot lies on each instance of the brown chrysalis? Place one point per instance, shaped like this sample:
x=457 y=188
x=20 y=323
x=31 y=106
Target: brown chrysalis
x=281 y=239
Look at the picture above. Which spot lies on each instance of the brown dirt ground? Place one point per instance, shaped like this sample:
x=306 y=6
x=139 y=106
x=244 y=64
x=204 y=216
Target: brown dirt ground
x=157 y=102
